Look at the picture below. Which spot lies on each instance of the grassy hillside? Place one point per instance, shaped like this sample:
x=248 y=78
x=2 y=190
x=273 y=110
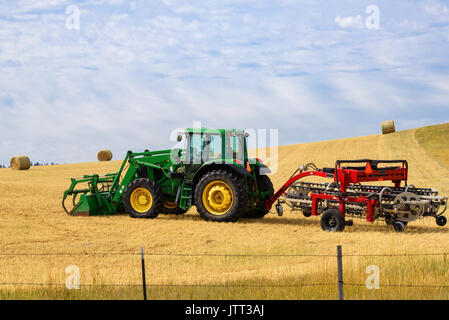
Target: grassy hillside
x=32 y=220
x=435 y=141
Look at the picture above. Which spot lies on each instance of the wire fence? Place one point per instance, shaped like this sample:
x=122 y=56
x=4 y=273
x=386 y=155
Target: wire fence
x=339 y=282
x=220 y=255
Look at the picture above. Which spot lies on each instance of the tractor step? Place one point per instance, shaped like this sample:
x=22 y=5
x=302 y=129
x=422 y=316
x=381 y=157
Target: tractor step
x=185 y=201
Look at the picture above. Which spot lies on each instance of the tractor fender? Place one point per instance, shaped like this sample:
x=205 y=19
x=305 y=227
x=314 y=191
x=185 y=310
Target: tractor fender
x=238 y=169
x=213 y=166
x=263 y=169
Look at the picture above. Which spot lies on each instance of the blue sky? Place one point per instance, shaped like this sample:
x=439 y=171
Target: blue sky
x=137 y=70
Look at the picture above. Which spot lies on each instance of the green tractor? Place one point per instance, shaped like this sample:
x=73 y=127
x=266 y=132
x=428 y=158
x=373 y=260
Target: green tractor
x=213 y=173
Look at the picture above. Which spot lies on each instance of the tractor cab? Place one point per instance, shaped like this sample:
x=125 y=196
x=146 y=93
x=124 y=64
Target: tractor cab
x=206 y=148
x=216 y=145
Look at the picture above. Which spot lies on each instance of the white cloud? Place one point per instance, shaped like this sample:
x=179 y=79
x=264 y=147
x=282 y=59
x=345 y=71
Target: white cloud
x=349 y=22
x=27 y=5
x=437 y=9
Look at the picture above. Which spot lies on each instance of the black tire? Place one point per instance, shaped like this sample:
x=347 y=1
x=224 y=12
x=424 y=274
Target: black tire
x=307 y=213
x=279 y=210
x=239 y=195
x=332 y=220
x=156 y=196
x=399 y=226
x=259 y=211
x=171 y=210
x=390 y=222
x=441 y=221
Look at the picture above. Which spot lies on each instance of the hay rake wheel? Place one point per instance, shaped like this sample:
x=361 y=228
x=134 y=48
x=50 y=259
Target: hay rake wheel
x=408 y=206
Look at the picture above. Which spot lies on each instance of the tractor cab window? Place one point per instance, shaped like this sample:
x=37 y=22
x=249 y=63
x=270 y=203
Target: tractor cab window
x=212 y=147
x=195 y=148
x=204 y=147
x=235 y=147
x=238 y=147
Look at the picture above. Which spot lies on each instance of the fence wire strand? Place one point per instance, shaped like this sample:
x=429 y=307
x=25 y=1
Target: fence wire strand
x=175 y=285
x=221 y=255
x=399 y=285
x=222 y=285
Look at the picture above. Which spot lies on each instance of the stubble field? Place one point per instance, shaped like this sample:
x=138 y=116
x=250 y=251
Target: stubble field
x=188 y=258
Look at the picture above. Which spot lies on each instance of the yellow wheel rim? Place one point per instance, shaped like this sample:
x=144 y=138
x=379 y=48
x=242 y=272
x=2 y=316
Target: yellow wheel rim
x=170 y=204
x=218 y=197
x=141 y=200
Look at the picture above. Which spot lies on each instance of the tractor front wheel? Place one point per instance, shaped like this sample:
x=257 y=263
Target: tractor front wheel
x=221 y=196
x=143 y=199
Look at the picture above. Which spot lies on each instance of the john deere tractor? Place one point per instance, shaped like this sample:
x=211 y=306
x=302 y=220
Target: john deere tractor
x=212 y=172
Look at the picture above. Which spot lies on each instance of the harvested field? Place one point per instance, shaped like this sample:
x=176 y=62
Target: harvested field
x=32 y=221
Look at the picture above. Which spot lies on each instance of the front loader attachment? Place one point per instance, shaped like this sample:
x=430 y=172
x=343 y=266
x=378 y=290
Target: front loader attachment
x=95 y=195
x=93 y=199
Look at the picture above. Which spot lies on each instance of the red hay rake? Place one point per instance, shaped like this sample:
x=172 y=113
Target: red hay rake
x=346 y=196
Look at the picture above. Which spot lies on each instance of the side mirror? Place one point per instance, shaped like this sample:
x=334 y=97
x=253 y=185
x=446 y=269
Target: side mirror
x=179 y=137
x=175 y=156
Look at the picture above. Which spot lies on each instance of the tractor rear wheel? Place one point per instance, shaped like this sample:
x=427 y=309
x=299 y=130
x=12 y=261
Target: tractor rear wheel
x=170 y=207
x=221 y=196
x=143 y=198
x=259 y=211
x=332 y=220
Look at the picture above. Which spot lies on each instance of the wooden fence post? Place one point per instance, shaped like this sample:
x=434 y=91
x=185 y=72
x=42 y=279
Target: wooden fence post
x=340 y=273
x=144 y=284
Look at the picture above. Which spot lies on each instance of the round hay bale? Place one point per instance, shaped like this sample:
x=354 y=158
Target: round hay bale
x=388 y=127
x=20 y=163
x=104 y=155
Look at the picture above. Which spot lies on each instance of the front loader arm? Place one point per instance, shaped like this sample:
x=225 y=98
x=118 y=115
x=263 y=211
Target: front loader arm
x=129 y=176
x=134 y=164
